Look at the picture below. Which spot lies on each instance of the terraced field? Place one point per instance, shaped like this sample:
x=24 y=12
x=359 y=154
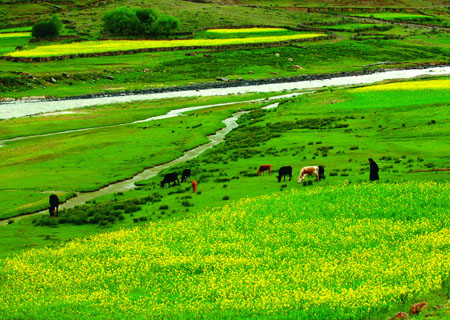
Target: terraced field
x=83 y=48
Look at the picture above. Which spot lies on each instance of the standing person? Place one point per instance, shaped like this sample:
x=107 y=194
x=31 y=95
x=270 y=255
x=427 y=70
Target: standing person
x=54 y=205
x=373 y=170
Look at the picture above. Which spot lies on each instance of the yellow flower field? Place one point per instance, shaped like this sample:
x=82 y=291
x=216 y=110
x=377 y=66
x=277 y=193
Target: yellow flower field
x=124 y=45
x=245 y=30
x=15 y=34
x=347 y=252
x=408 y=85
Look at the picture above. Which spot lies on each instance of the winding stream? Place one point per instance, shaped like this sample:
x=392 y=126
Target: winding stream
x=128 y=184
x=21 y=109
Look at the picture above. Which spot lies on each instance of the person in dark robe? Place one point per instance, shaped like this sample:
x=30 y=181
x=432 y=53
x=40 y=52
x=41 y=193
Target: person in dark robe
x=373 y=170
x=54 y=205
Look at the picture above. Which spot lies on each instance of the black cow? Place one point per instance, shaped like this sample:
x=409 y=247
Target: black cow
x=54 y=205
x=186 y=174
x=283 y=172
x=170 y=177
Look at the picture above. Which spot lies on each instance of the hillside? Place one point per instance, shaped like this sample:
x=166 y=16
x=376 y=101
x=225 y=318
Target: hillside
x=344 y=252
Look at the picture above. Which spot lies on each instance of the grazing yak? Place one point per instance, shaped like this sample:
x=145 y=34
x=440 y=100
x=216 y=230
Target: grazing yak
x=318 y=171
x=263 y=168
x=54 y=205
x=283 y=172
x=186 y=174
x=170 y=177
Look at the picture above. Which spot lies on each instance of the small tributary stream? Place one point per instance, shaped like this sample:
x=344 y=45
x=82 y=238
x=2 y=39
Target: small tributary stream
x=128 y=184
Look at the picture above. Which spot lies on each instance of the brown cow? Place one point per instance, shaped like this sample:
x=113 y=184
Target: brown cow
x=263 y=168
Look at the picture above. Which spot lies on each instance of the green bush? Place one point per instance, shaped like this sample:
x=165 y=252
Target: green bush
x=166 y=25
x=48 y=28
x=138 y=22
x=147 y=18
x=122 y=21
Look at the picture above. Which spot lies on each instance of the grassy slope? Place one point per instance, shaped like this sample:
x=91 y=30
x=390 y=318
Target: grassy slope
x=120 y=149
x=90 y=75
x=374 y=129
x=276 y=255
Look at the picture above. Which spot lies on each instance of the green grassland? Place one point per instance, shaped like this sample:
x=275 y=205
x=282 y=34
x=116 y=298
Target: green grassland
x=340 y=3
x=337 y=128
x=243 y=246
x=110 y=152
x=396 y=16
x=150 y=70
x=274 y=256
x=159 y=69
x=403 y=130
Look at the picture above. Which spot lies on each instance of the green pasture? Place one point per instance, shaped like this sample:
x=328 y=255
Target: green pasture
x=85 y=18
x=360 y=251
x=217 y=35
x=353 y=27
x=333 y=5
x=403 y=131
x=18 y=29
x=147 y=70
x=38 y=165
x=107 y=115
x=340 y=128
x=11 y=43
x=395 y=16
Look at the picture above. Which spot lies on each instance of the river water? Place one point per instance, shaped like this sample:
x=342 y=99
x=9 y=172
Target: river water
x=21 y=109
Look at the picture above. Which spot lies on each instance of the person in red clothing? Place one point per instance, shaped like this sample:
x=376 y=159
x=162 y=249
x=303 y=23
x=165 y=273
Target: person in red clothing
x=194 y=186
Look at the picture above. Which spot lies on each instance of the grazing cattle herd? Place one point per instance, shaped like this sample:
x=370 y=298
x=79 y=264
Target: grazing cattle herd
x=318 y=171
x=172 y=178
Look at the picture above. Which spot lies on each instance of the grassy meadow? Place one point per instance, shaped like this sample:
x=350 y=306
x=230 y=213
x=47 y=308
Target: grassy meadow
x=243 y=246
x=274 y=256
x=338 y=128
x=93 y=75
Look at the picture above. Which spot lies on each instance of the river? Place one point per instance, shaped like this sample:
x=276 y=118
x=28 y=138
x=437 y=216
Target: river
x=22 y=109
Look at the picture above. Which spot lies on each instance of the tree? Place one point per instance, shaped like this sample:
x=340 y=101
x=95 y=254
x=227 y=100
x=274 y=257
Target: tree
x=147 y=18
x=122 y=21
x=166 y=25
x=138 y=22
x=47 y=28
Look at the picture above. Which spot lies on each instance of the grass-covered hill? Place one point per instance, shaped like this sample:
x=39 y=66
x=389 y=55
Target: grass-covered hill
x=343 y=252
x=361 y=35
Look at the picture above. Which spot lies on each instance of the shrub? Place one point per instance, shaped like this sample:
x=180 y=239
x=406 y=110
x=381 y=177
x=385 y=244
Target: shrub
x=166 y=25
x=138 y=22
x=122 y=21
x=132 y=208
x=147 y=17
x=164 y=207
x=48 y=28
x=186 y=203
x=226 y=198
